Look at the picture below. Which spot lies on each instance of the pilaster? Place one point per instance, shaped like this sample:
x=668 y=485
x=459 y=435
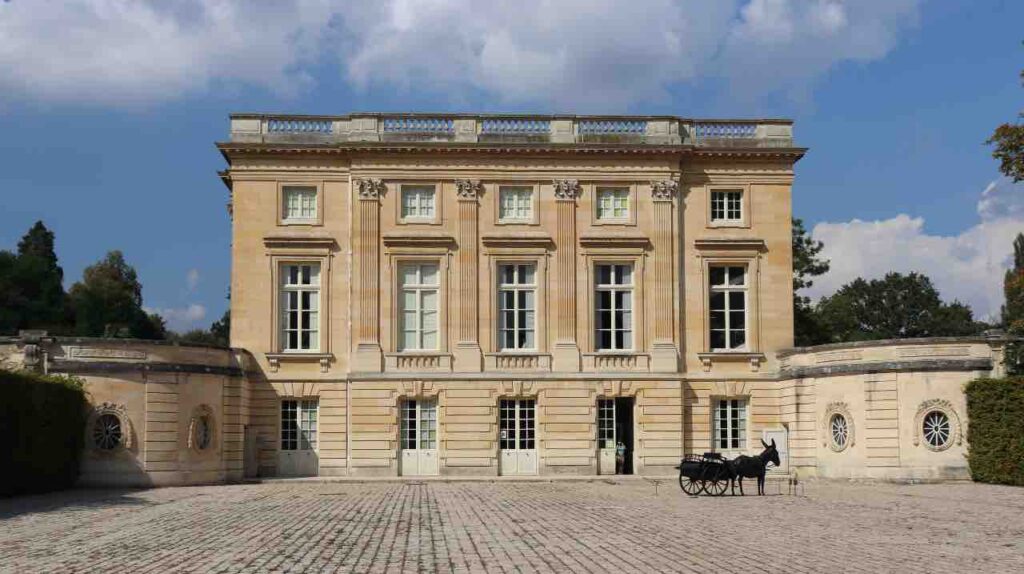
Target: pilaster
x=467 y=354
x=664 y=353
x=566 y=350
x=366 y=292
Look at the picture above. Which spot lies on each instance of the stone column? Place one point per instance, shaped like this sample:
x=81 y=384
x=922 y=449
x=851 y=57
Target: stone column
x=566 y=351
x=664 y=353
x=366 y=273
x=467 y=353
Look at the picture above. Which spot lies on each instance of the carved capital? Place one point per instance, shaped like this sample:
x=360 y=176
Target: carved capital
x=567 y=189
x=664 y=190
x=370 y=188
x=468 y=188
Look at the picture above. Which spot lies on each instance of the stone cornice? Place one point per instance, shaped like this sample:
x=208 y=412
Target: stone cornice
x=418 y=239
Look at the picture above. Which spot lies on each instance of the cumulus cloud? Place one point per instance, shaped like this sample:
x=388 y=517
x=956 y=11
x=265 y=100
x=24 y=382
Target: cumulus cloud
x=181 y=319
x=582 y=54
x=968 y=266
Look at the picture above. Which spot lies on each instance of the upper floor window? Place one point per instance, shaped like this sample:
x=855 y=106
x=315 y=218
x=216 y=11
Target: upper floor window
x=730 y=431
x=299 y=204
x=614 y=321
x=300 y=296
x=727 y=206
x=612 y=203
x=515 y=203
x=728 y=307
x=517 y=306
x=418 y=302
x=418 y=202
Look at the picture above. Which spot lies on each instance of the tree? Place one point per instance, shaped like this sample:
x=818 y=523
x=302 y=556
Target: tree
x=32 y=285
x=895 y=307
x=1009 y=147
x=1013 y=310
x=108 y=302
x=221 y=329
x=807 y=328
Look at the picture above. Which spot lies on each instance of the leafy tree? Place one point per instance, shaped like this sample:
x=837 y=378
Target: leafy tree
x=895 y=307
x=218 y=334
x=1009 y=147
x=1013 y=310
x=221 y=329
x=108 y=302
x=807 y=327
x=31 y=285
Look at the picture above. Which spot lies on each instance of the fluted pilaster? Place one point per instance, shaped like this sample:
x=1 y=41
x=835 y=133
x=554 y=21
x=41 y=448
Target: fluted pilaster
x=566 y=351
x=366 y=245
x=664 y=354
x=467 y=352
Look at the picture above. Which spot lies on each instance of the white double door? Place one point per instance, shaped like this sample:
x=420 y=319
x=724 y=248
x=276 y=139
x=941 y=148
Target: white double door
x=517 y=428
x=419 y=438
x=298 y=453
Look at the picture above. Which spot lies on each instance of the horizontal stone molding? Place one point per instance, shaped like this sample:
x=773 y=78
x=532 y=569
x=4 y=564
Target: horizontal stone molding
x=101 y=367
x=887 y=367
x=517 y=362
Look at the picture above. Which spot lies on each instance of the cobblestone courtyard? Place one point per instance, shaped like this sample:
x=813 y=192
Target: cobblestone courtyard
x=514 y=527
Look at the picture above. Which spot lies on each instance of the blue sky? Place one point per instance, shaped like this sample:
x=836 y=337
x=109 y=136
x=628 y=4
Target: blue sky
x=109 y=111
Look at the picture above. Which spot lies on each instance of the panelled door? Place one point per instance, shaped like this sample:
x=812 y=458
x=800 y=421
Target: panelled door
x=298 y=453
x=419 y=438
x=517 y=436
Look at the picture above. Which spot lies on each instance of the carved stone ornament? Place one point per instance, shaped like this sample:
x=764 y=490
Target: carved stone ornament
x=468 y=188
x=664 y=190
x=952 y=427
x=845 y=428
x=566 y=189
x=370 y=188
x=201 y=429
x=108 y=429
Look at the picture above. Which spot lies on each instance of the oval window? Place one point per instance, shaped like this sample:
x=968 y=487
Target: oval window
x=936 y=429
x=840 y=431
x=106 y=432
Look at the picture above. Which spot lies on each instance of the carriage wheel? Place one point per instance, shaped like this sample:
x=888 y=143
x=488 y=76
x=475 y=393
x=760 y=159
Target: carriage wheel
x=718 y=483
x=690 y=485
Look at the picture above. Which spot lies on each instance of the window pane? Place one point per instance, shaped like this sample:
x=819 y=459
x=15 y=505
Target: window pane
x=717 y=339
x=409 y=275
x=604 y=274
x=737 y=276
x=737 y=301
x=429 y=274
x=717 y=276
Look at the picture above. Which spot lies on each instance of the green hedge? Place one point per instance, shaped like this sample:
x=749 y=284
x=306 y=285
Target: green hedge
x=995 y=433
x=42 y=423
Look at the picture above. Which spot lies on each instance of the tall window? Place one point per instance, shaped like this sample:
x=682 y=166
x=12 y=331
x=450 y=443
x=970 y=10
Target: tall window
x=517 y=296
x=612 y=203
x=515 y=203
x=728 y=308
x=606 y=423
x=730 y=424
x=727 y=205
x=300 y=305
x=418 y=202
x=299 y=203
x=517 y=424
x=419 y=424
x=614 y=285
x=418 y=301
x=298 y=424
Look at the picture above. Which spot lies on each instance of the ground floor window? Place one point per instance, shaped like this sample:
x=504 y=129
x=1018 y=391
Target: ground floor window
x=299 y=424
x=606 y=423
x=730 y=424
x=419 y=425
x=517 y=424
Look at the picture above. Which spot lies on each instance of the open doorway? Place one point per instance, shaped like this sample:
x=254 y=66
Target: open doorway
x=624 y=435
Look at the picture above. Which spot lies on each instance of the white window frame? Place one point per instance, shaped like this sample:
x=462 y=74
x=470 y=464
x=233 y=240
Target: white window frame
x=284 y=188
x=518 y=416
x=606 y=422
x=727 y=289
x=734 y=428
x=303 y=436
x=419 y=211
x=419 y=290
x=516 y=288
x=727 y=206
x=617 y=195
x=422 y=433
x=713 y=220
x=306 y=199
x=286 y=288
x=614 y=288
x=523 y=205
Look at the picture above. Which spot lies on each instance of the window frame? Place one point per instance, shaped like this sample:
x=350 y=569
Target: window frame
x=498 y=188
x=745 y=218
x=281 y=302
x=743 y=430
x=312 y=439
x=282 y=212
x=407 y=186
x=419 y=289
x=594 y=192
x=614 y=287
x=500 y=288
x=741 y=252
x=727 y=288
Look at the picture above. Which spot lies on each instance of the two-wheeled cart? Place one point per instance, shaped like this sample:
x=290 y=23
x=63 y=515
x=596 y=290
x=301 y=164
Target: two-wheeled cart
x=709 y=473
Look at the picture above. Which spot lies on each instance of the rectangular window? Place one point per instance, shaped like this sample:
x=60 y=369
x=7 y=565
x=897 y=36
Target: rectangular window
x=517 y=306
x=612 y=203
x=299 y=424
x=515 y=203
x=614 y=310
x=730 y=424
x=299 y=203
x=727 y=206
x=419 y=425
x=517 y=424
x=728 y=308
x=418 y=202
x=606 y=423
x=418 y=306
x=300 y=307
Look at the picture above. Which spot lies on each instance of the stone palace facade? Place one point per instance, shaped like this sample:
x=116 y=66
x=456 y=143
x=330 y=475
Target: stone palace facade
x=514 y=295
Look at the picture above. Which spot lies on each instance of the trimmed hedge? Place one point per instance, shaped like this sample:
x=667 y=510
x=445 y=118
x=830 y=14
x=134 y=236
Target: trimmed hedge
x=42 y=424
x=995 y=433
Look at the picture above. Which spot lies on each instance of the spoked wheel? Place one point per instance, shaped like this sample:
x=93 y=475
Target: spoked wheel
x=717 y=483
x=691 y=486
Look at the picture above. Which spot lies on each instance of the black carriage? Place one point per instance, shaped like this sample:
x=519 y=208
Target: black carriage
x=709 y=472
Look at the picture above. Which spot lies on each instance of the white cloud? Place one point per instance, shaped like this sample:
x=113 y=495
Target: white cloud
x=968 y=266
x=192 y=279
x=181 y=319
x=572 y=54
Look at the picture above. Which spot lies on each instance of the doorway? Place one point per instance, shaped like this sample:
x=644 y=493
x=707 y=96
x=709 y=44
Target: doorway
x=615 y=435
x=298 y=453
x=517 y=436
x=419 y=438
